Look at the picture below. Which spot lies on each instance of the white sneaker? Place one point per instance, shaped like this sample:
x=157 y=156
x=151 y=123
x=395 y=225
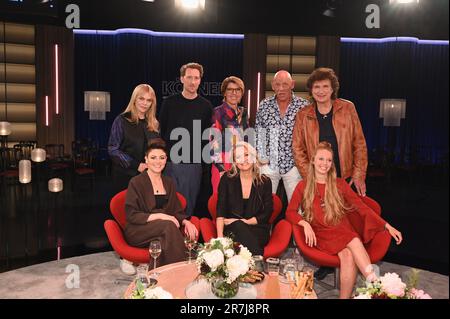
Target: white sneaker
x=127 y=267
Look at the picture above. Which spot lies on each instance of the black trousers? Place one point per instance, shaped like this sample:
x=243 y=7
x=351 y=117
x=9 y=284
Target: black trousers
x=254 y=237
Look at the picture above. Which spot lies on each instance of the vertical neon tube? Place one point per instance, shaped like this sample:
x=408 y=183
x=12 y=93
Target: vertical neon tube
x=46 y=111
x=258 y=93
x=56 y=79
x=249 y=103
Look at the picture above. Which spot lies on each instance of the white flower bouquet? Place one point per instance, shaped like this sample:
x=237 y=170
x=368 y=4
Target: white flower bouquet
x=223 y=262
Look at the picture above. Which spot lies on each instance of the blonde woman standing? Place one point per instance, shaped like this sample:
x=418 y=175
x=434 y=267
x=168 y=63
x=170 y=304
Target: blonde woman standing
x=130 y=135
x=245 y=200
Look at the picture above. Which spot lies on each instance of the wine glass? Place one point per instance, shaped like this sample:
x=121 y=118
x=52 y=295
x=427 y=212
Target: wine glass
x=190 y=244
x=155 y=250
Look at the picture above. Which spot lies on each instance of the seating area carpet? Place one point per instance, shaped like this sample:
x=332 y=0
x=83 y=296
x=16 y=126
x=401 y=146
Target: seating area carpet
x=99 y=274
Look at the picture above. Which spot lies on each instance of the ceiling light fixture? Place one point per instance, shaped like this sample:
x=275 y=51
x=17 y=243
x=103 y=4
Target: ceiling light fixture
x=403 y=1
x=190 y=4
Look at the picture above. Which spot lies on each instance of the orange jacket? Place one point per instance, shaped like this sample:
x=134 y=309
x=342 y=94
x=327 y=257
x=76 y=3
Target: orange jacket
x=349 y=134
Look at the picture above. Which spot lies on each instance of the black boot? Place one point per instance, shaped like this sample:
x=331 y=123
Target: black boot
x=322 y=272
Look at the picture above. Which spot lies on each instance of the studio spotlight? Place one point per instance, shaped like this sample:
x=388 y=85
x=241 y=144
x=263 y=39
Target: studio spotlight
x=190 y=4
x=403 y=1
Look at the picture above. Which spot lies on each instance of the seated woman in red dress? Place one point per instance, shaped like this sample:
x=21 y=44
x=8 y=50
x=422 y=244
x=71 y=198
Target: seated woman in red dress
x=325 y=202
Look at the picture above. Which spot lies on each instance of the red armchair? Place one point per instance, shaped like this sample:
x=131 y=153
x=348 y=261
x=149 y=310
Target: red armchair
x=376 y=248
x=279 y=238
x=114 y=230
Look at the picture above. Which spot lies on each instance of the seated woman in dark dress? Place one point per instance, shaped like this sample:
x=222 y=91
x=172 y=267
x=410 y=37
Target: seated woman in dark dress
x=325 y=201
x=153 y=210
x=245 y=201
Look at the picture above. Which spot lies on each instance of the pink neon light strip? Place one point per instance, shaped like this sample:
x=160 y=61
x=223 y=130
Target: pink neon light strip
x=46 y=111
x=56 y=79
x=249 y=102
x=258 y=96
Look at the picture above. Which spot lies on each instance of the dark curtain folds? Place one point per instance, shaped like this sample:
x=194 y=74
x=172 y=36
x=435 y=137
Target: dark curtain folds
x=118 y=62
x=414 y=71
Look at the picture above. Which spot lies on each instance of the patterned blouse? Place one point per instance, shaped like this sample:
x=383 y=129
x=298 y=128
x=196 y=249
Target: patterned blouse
x=274 y=133
x=226 y=121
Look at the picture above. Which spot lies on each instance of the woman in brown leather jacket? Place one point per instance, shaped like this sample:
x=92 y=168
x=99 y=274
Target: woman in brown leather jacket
x=335 y=121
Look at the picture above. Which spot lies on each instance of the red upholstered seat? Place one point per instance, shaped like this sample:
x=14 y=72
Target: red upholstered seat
x=376 y=248
x=114 y=230
x=280 y=235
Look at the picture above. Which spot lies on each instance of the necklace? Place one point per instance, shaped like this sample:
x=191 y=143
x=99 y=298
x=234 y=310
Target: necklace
x=322 y=202
x=156 y=184
x=324 y=116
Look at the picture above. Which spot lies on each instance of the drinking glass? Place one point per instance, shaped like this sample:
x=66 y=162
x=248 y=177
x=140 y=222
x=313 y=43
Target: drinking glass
x=298 y=259
x=289 y=271
x=142 y=274
x=190 y=244
x=273 y=266
x=259 y=263
x=155 y=250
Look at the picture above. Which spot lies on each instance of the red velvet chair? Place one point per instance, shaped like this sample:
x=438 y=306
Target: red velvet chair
x=114 y=230
x=376 y=248
x=279 y=238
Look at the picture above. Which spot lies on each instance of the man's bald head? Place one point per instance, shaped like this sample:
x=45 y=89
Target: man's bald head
x=283 y=85
x=281 y=75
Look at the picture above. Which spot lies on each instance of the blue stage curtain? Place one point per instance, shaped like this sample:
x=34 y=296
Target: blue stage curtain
x=411 y=70
x=117 y=62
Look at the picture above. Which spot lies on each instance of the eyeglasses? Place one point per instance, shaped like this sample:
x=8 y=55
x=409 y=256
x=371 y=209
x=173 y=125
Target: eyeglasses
x=231 y=90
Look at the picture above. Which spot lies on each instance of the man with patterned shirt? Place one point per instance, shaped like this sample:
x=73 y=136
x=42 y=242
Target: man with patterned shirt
x=275 y=120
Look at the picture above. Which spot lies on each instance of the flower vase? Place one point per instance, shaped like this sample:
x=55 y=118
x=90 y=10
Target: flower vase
x=222 y=289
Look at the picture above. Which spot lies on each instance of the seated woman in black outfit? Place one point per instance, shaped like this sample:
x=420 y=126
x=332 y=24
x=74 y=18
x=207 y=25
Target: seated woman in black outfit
x=153 y=210
x=245 y=201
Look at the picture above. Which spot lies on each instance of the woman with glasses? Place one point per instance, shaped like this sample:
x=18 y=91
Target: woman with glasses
x=229 y=121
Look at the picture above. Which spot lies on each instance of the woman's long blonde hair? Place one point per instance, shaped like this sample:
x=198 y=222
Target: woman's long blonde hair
x=335 y=207
x=150 y=115
x=257 y=177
